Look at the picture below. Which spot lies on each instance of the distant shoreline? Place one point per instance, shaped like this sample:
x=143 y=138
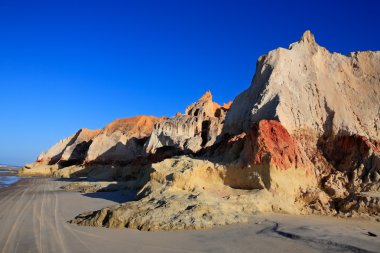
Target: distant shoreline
x=8 y=177
x=9 y=166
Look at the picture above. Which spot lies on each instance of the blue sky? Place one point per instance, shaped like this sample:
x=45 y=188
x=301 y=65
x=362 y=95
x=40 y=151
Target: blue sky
x=65 y=65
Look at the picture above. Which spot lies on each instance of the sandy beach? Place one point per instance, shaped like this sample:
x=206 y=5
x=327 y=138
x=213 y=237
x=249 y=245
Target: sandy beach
x=34 y=212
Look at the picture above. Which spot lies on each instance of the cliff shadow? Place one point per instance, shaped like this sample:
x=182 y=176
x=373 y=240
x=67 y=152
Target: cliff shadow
x=121 y=196
x=55 y=159
x=89 y=187
x=123 y=153
x=78 y=155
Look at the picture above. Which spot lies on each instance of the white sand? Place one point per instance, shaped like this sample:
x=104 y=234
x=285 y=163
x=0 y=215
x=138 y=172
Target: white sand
x=34 y=213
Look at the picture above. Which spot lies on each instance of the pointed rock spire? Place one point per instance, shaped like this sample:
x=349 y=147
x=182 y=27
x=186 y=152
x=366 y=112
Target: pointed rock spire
x=203 y=106
x=307 y=41
x=207 y=96
x=308 y=37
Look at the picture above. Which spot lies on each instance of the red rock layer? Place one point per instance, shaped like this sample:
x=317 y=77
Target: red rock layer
x=270 y=143
x=135 y=126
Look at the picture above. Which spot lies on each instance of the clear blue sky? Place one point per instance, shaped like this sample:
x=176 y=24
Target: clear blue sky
x=67 y=64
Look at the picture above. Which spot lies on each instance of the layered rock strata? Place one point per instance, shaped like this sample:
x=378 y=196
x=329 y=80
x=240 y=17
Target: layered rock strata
x=303 y=138
x=330 y=103
x=120 y=141
x=194 y=193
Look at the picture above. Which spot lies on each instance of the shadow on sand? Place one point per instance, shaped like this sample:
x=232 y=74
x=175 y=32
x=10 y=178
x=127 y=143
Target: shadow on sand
x=116 y=196
x=116 y=191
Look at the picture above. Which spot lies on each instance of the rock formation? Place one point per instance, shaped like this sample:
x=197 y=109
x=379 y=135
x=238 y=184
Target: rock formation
x=72 y=148
x=192 y=193
x=308 y=88
x=196 y=129
x=303 y=138
x=120 y=141
x=329 y=102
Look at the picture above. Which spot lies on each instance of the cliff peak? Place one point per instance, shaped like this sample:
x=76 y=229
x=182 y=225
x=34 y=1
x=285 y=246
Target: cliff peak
x=305 y=92
x=308 y=37
x=307 y=41
x=207 y=96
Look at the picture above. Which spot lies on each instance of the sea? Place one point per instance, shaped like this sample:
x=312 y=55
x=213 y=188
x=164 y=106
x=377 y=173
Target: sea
x=8 y=175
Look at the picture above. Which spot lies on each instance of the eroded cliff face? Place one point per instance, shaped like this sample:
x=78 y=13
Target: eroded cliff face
x=354 y=182
x=307 y=87
x=304 y=138
x=127 y=140
x=270 y=174
x=330 y=104
x=192 y=131
x=120 y=141
x=73 y=148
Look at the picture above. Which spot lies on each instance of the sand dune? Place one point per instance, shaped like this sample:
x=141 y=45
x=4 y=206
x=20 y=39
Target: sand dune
x=34 y=213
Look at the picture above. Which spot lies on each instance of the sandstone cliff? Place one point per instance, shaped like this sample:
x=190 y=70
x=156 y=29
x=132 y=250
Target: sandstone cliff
x=330 y=103
x=120 y=141
x=72 y=148
x=307 y=87
x=303 y=138
x=194 y=193
x=196 y=129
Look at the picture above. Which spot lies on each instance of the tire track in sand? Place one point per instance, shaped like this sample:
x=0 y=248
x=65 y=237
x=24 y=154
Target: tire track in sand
x=17 y=225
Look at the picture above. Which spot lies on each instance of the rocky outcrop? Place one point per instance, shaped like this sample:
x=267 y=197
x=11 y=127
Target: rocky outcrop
x=303 y=138
x=329 y=103
x=187 y=193
x=127 y=140
x=73 y=148
x=354 y=183
x=307 y=87
x=196 y=129
x=122 y=140
x=269 y=156
x=271 y=143
x=194 y=193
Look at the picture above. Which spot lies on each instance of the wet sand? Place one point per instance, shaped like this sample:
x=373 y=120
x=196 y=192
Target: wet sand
x=33 y=215
x=8 y=176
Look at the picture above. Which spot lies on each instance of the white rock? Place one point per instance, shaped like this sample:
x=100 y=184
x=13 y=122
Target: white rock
x=307 y=87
